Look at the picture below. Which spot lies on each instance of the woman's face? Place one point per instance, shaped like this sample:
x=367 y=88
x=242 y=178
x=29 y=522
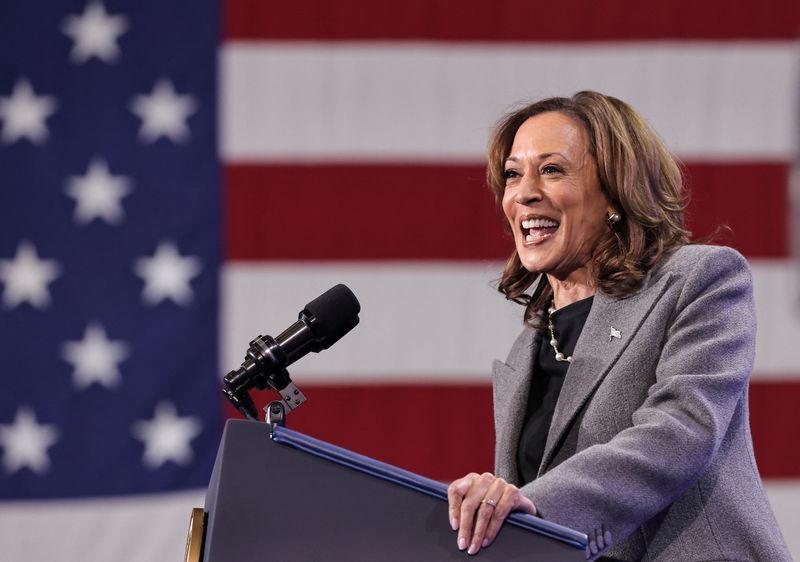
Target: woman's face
x=552 y=196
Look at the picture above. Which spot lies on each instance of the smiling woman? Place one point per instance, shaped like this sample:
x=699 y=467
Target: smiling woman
x=621 y=410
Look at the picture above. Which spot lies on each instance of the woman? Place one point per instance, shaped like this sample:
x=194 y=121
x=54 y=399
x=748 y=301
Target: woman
x=643 y=443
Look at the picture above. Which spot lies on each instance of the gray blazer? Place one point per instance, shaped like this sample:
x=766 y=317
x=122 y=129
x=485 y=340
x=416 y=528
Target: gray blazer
x=649 y=451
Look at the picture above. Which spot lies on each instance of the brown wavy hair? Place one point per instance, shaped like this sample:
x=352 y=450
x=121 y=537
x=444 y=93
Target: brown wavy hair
x=635 y=170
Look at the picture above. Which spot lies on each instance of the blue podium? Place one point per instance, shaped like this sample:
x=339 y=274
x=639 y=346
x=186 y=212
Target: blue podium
x=290 y=497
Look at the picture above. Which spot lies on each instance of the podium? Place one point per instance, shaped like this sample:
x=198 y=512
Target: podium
x=290 y=497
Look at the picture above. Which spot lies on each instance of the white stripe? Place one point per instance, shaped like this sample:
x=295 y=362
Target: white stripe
x=784 y=495
x=423 y=101
x=441 y=322
x=127 y=529
x=417 y=320
x=776 y=285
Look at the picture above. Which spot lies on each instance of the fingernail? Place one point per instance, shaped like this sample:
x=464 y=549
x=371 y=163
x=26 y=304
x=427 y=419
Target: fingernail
x=454 y=523
x=473 y=549
x=462 y=543
x=485 y=543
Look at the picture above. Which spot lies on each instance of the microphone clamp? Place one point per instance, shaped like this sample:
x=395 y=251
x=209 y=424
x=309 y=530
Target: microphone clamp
x=257 y=371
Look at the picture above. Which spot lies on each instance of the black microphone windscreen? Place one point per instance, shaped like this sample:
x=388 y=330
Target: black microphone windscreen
x=335 y=312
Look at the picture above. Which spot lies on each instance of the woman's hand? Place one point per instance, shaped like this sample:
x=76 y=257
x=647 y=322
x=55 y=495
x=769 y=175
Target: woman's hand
x=479 y=503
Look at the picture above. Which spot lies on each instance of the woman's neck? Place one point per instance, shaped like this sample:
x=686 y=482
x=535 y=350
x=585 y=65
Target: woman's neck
x=572 y=289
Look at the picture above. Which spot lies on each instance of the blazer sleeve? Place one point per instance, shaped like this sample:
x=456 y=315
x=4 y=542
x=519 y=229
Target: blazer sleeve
x=701 y=375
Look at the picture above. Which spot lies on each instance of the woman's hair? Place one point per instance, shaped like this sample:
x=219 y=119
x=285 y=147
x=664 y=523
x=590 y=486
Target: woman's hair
x=635 y=170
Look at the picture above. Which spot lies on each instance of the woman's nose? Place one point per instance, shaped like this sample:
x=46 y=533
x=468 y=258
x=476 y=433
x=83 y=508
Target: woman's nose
x=529 y=191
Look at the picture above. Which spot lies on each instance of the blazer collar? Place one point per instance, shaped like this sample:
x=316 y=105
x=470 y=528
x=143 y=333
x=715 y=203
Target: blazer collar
x=611 y=325
x=512 y=382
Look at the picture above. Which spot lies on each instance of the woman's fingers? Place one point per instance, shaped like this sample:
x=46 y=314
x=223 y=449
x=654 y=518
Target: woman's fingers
x=455 y=495
x=490 y=510
x=478 y=505
x=470 y=502
x=512 y=500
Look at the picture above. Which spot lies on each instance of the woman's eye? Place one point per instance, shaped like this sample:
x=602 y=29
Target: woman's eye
x=550 y=169
x=508 y=174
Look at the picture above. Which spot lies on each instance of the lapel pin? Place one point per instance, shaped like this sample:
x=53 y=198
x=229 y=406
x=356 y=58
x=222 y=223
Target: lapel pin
x=614 y=334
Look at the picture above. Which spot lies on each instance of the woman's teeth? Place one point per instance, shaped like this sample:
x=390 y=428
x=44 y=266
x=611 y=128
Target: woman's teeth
x=538 y=229
x=539 y=223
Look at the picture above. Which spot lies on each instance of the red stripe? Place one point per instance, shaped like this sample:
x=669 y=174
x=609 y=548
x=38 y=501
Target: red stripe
x=445 y=431
x=331 y=212
x=435 y=212
x=510 y=20
x=774 y=419
x=439 y=431
x=733 y=195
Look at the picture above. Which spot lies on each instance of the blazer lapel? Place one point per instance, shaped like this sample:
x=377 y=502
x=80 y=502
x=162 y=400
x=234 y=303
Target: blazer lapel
x=511 y=387
x=611 y=325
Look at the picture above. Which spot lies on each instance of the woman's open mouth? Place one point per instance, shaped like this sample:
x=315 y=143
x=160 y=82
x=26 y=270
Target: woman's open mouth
x=538 y=229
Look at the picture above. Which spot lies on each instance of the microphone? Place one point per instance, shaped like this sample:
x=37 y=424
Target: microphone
x=320 y=324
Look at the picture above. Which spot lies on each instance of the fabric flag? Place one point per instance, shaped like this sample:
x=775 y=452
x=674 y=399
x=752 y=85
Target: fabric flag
x=166 y=197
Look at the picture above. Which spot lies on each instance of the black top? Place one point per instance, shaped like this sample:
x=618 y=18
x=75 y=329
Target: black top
x=548 y=376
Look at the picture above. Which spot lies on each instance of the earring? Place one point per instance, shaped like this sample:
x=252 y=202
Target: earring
x=613 y=218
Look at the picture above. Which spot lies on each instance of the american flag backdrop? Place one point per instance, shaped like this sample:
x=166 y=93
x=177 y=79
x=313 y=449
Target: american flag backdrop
x=178 y=177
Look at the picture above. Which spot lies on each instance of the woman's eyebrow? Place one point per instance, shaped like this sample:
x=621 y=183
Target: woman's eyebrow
x=549 y=154
x=538 y=157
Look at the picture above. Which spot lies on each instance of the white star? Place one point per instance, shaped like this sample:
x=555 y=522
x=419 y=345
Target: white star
x=98 y=194
x=167 y=274
x=163 y=113
x=95 y=34
x=95 y=358
x=25 y=442
x=24 y=113
x=26 y=277
x=166 y=437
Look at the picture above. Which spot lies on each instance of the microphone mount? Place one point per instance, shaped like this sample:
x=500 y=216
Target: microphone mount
x=255 y=373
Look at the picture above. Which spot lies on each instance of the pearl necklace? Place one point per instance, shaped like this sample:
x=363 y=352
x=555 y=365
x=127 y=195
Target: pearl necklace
x=553 y=341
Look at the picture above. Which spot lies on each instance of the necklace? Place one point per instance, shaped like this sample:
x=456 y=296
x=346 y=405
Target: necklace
x=553 y=341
